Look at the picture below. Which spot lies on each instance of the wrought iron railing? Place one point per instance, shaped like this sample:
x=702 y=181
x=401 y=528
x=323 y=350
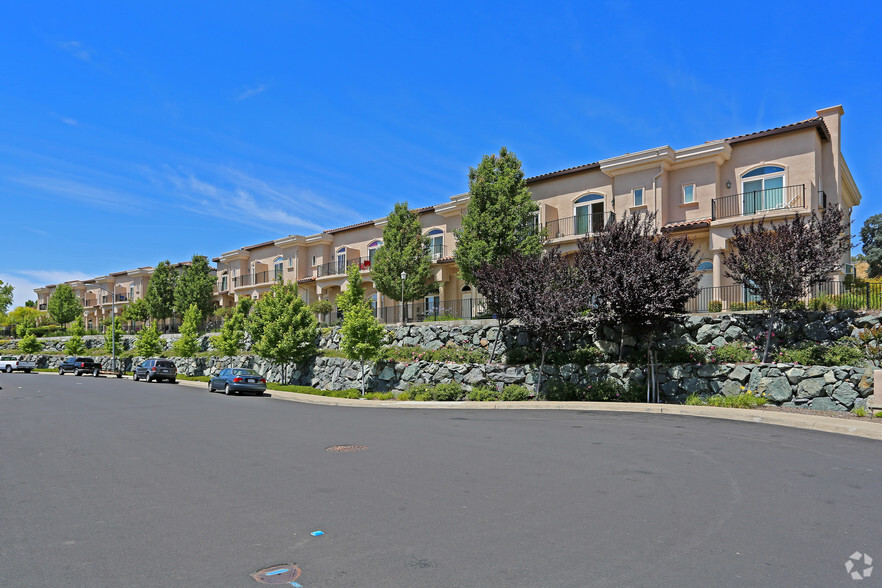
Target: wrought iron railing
x=758 y=201
x=825 y=296
x=578 y=225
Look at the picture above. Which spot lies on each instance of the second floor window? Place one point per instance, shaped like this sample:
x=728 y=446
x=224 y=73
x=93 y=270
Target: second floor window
x=638 y=196
x=436 y=243
x=688 y=193
x=277 y=268
x=372 y=251
x=762 y=189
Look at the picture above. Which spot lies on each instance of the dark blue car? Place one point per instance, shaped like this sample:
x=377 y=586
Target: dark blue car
x=238 y=380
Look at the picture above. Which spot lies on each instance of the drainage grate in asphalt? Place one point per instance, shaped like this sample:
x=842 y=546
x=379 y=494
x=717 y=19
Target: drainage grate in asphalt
x=346 y=448
x=281 y=574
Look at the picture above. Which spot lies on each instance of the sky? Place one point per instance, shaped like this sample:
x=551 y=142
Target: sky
x=134 y=132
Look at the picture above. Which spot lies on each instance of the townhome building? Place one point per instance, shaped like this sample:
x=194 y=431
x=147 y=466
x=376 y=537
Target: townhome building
x=700 y=192
x=103 y=296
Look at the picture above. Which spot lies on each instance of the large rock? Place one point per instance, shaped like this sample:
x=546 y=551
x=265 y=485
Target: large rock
x=777 y=389
x=810 y=388
x=845 y=394
x=816 y=331
x=825 y=403
x=731 y=388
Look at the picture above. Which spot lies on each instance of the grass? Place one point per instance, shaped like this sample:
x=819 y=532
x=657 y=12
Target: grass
x=859 y=411
x=744 y=400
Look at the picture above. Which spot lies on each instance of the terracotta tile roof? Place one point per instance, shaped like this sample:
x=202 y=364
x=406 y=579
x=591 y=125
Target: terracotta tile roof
x=816 y=122
x=305 y=280
x=686 y=225
x=370 y=222
x=563 y=172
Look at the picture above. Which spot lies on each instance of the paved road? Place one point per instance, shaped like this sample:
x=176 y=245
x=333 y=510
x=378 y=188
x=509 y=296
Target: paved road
x=114 y=483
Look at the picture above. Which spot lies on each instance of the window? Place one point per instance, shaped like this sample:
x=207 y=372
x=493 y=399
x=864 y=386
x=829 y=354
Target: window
x=534 y=221
x=436 y=243
x=762 y=189
x=588 y=214
x=705 y=266
x=277 y=268
x=433 y=305
x=313 y=260
x=252 y=272
x=223 y=283
x=372 y=251
x=638 y=196
x=131 y=292
x=688 y=193
x=341 y=260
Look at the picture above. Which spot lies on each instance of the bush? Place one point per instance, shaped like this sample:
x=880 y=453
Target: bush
x=447 y=392
x=560 y=391
x=29 y=344
x=844 y=352
x=413 y=353
x=321 y=307
x=404 y=396
x=683 y=354
x=483 y=394
x=580 y=356
x=516 y=393
x=731 y=353
x=737 y=306
x=715 y=306
x=822 y=302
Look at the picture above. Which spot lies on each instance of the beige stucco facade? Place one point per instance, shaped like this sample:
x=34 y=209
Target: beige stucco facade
x=700 y=192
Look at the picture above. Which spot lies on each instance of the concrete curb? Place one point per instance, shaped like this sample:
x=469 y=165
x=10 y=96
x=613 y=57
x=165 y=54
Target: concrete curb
x=825 y=424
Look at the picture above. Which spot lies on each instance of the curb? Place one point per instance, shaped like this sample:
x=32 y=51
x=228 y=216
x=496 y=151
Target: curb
x=825 y=424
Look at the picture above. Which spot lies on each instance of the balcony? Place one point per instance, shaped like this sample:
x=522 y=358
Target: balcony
x=758 y=202
x=106 y=299
x=339 y=267
x=259 y=278
x=578 y=225
x=42 y=307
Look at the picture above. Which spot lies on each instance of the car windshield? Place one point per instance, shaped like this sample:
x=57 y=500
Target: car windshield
x=244 y=372
x=84 y=359
x=165 y=364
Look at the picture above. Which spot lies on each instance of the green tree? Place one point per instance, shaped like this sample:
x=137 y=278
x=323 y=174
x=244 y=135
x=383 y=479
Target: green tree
x=232 y=335
x=5 y=296
x=404 y=249
x=113 y=336
x=149 y=343
x=30 y=344
x=871 y=236
x=24 y=318
x=282 y=328
x=354 y=293
x=30 y=303
x=500 y=217
x=187 y=345
x=137 y=311
x=160 y=295
x=195 y=286
x=362 y=336
x=74 y=345
x=64 y=306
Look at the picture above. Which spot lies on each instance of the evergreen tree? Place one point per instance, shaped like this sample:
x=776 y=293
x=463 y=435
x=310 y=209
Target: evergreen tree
x=187 y=345
x=871 y=236
x=160 y=295
x=282 y=328
x=354 y=292
x=149 y=342
x=5 y=296
x=195 y=286
x=64 y=306
x=499 y=220
x=74 y=345
x=404 y=249
x=30 y=344
x=362 y=336
x=232 y=335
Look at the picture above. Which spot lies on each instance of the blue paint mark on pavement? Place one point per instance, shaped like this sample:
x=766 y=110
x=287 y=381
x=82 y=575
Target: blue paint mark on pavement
x=276 y=572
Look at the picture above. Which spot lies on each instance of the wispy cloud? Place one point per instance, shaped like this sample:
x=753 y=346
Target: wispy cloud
x=76 y=190
x=251 y=92
x=233 y=195
x=78 y=50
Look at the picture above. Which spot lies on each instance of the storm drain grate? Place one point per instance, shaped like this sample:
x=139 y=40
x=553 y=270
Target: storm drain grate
x=346 y=448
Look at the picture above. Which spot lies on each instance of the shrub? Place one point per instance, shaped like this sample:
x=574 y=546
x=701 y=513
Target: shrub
x=419 y=392
x=581 y=356
x=844 y=352
x=804 y=353
x=822 y=302
x=694 y=400
x=745 y=400
x=859 y=411
x=483 y=394
x=737 y=306
x=731 y=353
x=515 y=392
x=558 y=390
x=29 y=344
x=447 y=392
x=715 y=306
x=849 y=301
x=403 y=396
x=413 y=353
x=321 y=307
x=757 y=305
x=683 y=354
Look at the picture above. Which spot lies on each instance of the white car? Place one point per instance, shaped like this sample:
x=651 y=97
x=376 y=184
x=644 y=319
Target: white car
x=11 y=363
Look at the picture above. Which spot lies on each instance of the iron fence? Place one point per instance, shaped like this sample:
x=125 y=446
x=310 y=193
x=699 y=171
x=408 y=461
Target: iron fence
x=831 y=294
x=758 y=201
x=578 y=225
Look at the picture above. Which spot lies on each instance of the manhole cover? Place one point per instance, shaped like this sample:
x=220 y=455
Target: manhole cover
x=346 y=448
x=281 y=574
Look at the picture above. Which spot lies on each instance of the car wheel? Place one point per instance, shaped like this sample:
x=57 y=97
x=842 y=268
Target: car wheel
x=210 y=387
x=27 y=371
x=78 y=373
x=172 y=381
x=227 y=390
x=60 y=371
x=149 y=379
x=135 y=376
x=96 y=372
x=9 y=369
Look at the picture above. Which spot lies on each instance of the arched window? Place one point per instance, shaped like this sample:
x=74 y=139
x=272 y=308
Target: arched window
x=341 y=260
x=277 y=268
x=372 y=250
x=223 y=280
x=588 y=212
x=762 y=189
x=436 y=243
x=705 y=266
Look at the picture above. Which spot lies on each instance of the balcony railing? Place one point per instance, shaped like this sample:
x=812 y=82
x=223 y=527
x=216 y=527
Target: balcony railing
x=437 y=252
x=337 y=268
x=758 y=201
x=578 y=225
x=264 y=277
x=418 y=311
x=106 y=299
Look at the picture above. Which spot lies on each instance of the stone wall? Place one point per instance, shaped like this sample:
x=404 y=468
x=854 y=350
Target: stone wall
x=822 y=388
x=708 y=330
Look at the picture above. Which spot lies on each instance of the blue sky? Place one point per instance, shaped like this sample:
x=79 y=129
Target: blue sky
x=134 y=132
